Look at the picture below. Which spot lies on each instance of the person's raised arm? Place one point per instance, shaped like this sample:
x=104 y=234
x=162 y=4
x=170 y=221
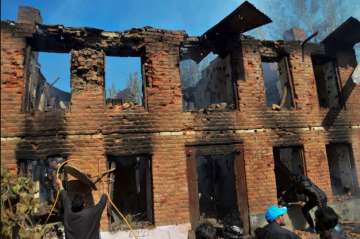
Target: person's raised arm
x=102 y=203
x=64 y=197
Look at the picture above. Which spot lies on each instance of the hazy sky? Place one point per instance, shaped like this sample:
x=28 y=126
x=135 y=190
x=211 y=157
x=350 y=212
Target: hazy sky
x=194 y=16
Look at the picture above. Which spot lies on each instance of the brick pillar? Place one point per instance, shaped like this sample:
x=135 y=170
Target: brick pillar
x=87 y=82
x=163 y=85
x=87 y=115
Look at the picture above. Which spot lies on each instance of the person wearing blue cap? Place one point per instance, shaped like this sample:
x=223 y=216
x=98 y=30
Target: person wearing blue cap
x=273 y=230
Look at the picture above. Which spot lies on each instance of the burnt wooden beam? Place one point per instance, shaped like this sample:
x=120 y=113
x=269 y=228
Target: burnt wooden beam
x=57 y=38
x=61 y=39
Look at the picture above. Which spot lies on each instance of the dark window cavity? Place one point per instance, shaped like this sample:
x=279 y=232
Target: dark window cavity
x=207 y=83
x=326 y=81
x=342 y=168
x=216 y=186
x=43 y=174
x=131 y=190
x=288 y=160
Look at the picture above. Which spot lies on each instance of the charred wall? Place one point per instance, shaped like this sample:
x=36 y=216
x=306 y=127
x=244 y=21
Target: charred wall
x=90 y=132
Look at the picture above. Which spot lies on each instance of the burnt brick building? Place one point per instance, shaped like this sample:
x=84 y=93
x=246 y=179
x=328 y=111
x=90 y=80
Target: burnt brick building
x=295 y=109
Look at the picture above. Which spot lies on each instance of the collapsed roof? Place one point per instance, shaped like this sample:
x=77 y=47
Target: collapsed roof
x=345 y=36
x=246 y=17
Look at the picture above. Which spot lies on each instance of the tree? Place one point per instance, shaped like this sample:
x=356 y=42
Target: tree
x=112 y=91
x=18 y=207
x=134 y=86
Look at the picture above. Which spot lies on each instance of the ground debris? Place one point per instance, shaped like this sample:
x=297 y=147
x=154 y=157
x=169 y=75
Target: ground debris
x=306 y=235
x=351 y=229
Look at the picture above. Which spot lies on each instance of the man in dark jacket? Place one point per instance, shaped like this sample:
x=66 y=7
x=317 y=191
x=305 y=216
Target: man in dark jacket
x=326 y=220
x=79 y=222
x=274 y=230
x=206 y=231
x=315 y=196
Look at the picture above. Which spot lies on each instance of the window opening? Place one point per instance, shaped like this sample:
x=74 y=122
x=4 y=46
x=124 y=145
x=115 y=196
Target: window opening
x=277 y=83
x=326 y=81
x=123 y=82
x=342 y=168
x=288 y=160
x=48 y=82
x=207 y=84
x=131 y=190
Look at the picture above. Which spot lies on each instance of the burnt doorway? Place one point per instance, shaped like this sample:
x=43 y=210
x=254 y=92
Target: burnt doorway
x=131 y=190
x=217 y=186
x=288 y=160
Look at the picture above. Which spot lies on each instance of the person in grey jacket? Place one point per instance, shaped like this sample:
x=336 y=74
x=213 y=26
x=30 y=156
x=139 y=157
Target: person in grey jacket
x=80 y=222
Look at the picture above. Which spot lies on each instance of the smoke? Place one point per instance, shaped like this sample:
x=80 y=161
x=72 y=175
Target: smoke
x=311 y=15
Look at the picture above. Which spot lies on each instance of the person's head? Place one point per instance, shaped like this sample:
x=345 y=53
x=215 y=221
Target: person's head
x=77 y=203
x=205 y=231
x=325 y=219
x=276 y=214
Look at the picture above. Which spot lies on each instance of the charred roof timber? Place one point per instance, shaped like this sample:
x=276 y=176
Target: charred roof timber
x=58 y=38
x=345 y=36
x=61 y=39
x=246 y=17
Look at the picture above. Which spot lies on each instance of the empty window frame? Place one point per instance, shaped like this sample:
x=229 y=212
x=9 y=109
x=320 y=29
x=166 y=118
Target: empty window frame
x=288 y=160
x=327 y=83
x=277 y=81
x=207 y=84
x=42 y=173
x=48 y=82
x=124 y=82
x=131 y=190
x=342 y=168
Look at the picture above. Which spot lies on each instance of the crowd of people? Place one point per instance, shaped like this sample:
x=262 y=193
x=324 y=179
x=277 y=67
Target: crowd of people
x=326 y=219
x=80 y=222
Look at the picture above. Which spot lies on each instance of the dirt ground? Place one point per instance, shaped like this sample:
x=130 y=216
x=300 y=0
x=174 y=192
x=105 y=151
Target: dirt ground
x=351 y=229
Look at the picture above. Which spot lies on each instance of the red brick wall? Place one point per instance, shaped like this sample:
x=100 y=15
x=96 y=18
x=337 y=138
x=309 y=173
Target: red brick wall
x=12 y=73
x=88 y=131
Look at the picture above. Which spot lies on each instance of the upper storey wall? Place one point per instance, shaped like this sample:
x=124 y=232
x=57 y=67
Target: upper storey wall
x=160 y=55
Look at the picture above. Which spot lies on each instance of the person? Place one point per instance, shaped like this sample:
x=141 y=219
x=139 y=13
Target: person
x=273 y=230
x=80 y=222
x=206 y=231
x=314 y=196
x=326 y=220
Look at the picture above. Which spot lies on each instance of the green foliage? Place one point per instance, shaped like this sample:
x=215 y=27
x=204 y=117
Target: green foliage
x=18 y=205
